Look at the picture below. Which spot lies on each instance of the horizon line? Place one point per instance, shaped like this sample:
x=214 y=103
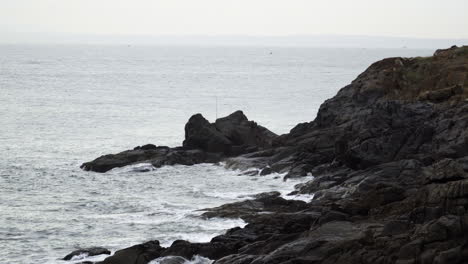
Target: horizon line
x=292 y=40
x=230 y=35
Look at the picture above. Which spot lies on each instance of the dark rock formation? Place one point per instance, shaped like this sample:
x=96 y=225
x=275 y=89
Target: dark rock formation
x=157 y=156
x=204 y=143
x=200 y=134
x=389 y=156
x=263 y=203
x=230 y=135
x=138 y=254
x=88 y=252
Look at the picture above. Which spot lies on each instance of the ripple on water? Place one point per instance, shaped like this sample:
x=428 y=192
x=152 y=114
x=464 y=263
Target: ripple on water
x=117 y=210
x=80 y=102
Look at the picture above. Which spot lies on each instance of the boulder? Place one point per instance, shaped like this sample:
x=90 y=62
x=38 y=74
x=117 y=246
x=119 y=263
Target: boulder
x=242 y=132
x=204 y=143
x=249 y=209
x=158 y=157
x=231 y=135
x=200 y=134
x=138 y=254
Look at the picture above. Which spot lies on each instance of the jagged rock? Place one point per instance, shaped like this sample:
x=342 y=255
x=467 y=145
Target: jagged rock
x=138 y=254
x=172 y=260
x=231 y=135
x=204 y=143
x=148 y=147
x=248 y=209
x=389 y=157
x=388 y=154
x=245 y=163
x=158 y=157
x=266 y=171
x=200 y=134
x=242 y=132
x=213 y=250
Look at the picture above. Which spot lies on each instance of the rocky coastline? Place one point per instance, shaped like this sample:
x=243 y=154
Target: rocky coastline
x=389 y=158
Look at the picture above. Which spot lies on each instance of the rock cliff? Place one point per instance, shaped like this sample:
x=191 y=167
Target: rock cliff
x=389 y=156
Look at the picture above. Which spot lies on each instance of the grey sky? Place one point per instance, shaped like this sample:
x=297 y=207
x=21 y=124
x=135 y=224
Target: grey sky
x=402 y=18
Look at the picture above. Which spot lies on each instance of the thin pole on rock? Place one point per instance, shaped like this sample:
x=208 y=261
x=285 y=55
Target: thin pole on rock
x=216 y=106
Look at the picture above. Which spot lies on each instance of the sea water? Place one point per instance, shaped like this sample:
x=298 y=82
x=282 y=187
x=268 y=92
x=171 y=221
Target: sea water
x=63 y=105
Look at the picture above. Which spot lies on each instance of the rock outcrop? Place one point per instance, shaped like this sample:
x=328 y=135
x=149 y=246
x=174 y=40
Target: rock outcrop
x=230 y=135
x=204 y=142
x=157 y=156
x=264 y=203
x=389 y=156
x=87 y=252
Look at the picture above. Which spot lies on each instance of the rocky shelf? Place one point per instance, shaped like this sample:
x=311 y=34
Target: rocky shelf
x=389 y=156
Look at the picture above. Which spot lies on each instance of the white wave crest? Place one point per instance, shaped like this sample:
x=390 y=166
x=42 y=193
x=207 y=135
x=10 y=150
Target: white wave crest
x=180 y=260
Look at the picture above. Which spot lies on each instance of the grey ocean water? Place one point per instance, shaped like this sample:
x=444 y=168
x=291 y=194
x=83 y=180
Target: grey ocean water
x=63 y=105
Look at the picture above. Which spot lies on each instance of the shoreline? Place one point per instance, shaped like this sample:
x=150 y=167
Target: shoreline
x=389 y=157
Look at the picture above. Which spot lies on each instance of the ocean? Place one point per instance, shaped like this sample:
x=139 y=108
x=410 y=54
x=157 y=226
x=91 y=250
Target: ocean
x=62 y=105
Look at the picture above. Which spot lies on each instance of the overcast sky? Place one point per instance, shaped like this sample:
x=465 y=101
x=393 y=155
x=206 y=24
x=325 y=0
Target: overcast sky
x=402 y=18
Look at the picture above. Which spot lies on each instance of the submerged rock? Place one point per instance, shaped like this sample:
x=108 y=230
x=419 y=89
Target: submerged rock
x=87 y=252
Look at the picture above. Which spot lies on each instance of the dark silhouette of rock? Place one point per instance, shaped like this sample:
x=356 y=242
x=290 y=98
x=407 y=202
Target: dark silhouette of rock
x=172 y=260
x=389 y=158
x=242 y=132
x=264 y=202
x=200 y=134
x=231 y=135
x=204 y=143
x=88 y=252
x=138 y=254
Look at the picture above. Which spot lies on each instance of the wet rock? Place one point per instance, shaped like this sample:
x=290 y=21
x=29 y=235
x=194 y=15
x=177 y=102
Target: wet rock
x=389 y=158
x=251 y=173
x=245 y=163
x=231 y=135
x=298 y=171
x=148 y=147
x=200 y=134
x=266 y=171
x=213 y=250
x=388 y=154
x=248 y=209
x=172 y=260
x=88 y=252
x=204 y=142
x=237 y=128
x=138 y=254
x=158 y=157
x=267 y=195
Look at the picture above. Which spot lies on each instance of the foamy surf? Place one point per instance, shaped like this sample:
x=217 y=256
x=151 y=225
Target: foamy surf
x=85 y=100
x=179 y=260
